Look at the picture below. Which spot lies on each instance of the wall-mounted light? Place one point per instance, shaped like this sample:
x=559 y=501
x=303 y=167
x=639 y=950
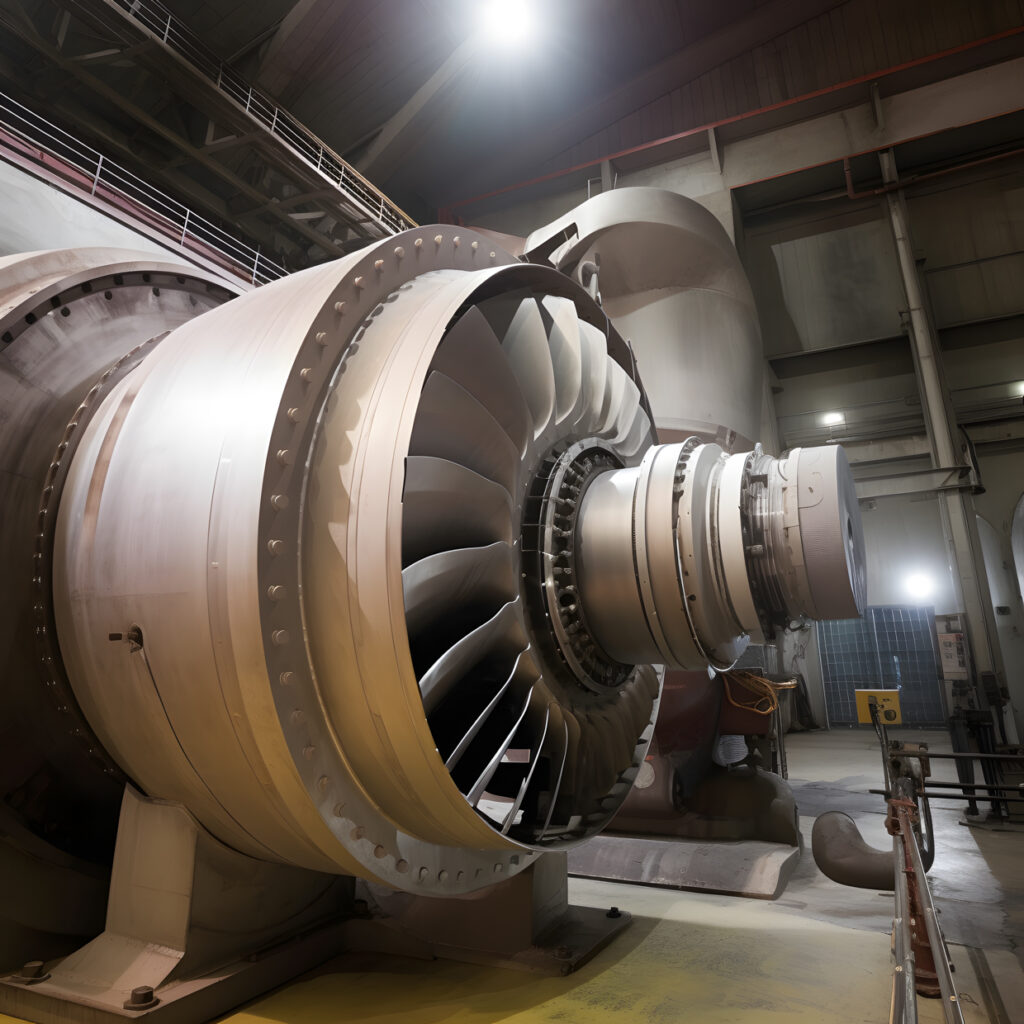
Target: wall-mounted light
x=919 y=586
x=831 y=419
x=506 y=22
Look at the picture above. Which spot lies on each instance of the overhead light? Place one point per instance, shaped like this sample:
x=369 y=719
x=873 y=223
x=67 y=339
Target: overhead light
x=919 y=586
x=1018 y=388
x=830 y=419
x=506 y=22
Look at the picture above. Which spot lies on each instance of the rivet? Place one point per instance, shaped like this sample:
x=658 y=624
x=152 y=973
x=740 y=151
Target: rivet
x=358 y=282
x=378 y=265
x=298 y=716
x=306 y=373
x=475 y=246
x=308 y=752
x=279 y=501
x=322 y=783
x=437 y=239
x=285 y=456
x=339 y=810
x=419 y=245
x=339 y=307
x=399 y=251
x=358 y=832
x=497 y=869
x=379 y=852
x=280 y=637
x=442 y=875
x=459 y=876
x=321 y=337
x=423 y=873
x=286 y=678
x=494 y=255
x=402 y=866
x=455 y=241
x=276 y=592
x=275 y=547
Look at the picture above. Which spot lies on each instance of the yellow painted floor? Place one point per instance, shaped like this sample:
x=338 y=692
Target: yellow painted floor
x=697 y=958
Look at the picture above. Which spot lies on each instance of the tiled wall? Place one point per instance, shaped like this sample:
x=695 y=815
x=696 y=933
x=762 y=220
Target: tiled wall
x=891 y=646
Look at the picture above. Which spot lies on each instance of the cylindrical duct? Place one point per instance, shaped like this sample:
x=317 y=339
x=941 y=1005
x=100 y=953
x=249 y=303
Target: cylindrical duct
x=671 y=281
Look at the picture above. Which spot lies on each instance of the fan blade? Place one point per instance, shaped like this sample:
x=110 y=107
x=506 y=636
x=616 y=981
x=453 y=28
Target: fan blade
x=502 y=630
x=553 y=796
x=450 y=594
x=614 y=392
x=445 y=505
x=471 y=355
x=638 y=437
x=629 y=403
x=525 y=342
x=451 y=424
x=479 y=787
x=536 y=748
x=439 y=585
x=524 y=669
x=564 y=341
x=594 y=352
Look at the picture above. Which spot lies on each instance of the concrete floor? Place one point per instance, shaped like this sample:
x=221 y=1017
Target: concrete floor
x=820 y=953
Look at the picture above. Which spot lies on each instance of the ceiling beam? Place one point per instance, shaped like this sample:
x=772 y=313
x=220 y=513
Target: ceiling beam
x=386 y=150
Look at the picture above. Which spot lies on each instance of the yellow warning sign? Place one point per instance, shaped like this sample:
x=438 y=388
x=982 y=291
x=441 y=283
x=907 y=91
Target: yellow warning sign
x=888 y=706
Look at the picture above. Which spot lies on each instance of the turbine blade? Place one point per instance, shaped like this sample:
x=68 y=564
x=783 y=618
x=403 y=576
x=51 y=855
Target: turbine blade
x=471 y=355
x=536 y=748
x=445 y=505
x=523 y=668
x=594 y=353
x=502 y=630
x=564 y=342
x=476 y=791
x=452 y=424
x=525 y=342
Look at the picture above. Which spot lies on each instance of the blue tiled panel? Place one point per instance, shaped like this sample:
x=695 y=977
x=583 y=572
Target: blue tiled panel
x=891 y=646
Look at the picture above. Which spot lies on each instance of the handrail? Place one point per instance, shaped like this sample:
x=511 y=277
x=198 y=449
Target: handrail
x=367 y=198
x=91 y=172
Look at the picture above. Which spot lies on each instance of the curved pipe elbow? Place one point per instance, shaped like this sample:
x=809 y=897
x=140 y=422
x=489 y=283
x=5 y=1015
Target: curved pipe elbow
x=842 y=854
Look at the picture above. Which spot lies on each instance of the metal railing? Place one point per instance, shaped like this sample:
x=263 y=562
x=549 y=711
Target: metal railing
x=91 y=172
x=366 y=198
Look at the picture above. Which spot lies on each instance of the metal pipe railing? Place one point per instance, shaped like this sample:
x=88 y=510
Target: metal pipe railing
x=46 y=144
x=904 y=982
x=365 y=197
x=950 y=999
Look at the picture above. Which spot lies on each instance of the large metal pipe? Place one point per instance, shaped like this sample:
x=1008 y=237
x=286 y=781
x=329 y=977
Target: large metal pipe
x=673 y=285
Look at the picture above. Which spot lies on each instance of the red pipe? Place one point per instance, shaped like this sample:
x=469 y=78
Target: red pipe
x=444 y=212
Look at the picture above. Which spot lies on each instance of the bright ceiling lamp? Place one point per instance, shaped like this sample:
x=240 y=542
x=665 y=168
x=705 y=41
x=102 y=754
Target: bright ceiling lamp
x=506 y=22
x=919 y=586
x=831 y=419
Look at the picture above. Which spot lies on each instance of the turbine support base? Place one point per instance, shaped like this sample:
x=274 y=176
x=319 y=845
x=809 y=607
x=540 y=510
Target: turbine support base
x=165 y=954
